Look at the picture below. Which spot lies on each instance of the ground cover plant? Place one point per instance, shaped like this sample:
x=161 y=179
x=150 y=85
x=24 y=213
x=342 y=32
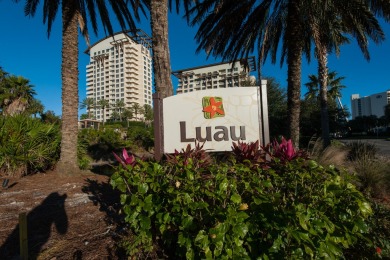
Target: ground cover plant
x=246 y=207
x=27 y=145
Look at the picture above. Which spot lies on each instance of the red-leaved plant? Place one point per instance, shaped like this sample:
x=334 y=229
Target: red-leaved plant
x=248 y=152
x=127 y=160
x=198 y=156
x=284 y=151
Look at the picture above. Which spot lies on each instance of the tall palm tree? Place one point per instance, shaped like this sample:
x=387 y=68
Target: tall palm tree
x=74 y=16
x=120 y=104
x=333 y=94
x=333 y=89
x=257 y=25
x=328 y=25
x=160 y=44
x=263 y=25
x=87 y=103
x=103 y=103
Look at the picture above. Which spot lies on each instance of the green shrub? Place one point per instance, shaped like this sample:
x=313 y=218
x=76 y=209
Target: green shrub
x=82 y=153
x=141 y=136
x=27 y=145
x=98 y=144
x=292 y=208
x=379 y=235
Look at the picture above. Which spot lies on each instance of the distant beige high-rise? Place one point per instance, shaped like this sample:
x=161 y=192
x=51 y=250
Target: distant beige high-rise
x=120 y=68
x=218 y=75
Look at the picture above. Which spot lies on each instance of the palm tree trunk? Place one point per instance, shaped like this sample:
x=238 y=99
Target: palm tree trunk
x=68 y=159
x=160 y=46
x=323 y=79
x=104 y=115
x=294 y=61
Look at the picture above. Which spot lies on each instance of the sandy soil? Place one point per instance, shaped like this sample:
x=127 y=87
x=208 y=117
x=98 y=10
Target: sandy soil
x=71 y=217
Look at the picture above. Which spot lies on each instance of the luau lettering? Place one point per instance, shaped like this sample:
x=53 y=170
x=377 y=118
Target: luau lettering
x=220 y=133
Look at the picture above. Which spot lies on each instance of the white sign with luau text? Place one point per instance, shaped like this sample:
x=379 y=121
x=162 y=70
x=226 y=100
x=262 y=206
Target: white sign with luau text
x=216 y=117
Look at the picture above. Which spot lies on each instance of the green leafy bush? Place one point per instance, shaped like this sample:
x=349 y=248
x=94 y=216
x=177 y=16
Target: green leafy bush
x=290 y=209
x=379 y=235
x=98 y=145
x=141 y=136
x=27 y=145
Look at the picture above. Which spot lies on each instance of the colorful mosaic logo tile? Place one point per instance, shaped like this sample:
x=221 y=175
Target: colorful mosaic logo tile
x=212 y=107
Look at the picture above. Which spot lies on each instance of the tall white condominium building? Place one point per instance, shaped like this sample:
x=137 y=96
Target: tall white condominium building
x=120 y=68
x=370 y=105
x=218 y=75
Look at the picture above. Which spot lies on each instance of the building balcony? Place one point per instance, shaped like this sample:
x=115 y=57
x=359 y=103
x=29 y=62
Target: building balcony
x=130 y=52
x=89 y=80
x=131 y=81
x=131 y=92
x=131 y=100
x=131 y=76
x=132 y=71
x=134 y=87
x=130 y=64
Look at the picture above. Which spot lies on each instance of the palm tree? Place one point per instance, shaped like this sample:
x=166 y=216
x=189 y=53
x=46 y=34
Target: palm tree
x=327 y=31
x=103 y=103
x=136 y=108
x=160 y=45
x=262 y=25
x=127 y=115
x=333 y=94
x=120 y=104
x=87 y=103
x=256 y=24
x=74 y=16
x=35 y=107
x=148 y=112
x=16 y=95
x=333 y=89
x=114 y=116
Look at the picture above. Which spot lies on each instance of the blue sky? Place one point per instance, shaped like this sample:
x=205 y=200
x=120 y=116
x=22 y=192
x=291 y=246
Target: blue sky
x=26 y=50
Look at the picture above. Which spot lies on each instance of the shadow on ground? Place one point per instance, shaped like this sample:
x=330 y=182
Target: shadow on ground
x=103 y=195
x=39 y=222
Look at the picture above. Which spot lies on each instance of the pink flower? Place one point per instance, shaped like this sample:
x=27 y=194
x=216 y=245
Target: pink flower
x=287 y=148
x=127 y=160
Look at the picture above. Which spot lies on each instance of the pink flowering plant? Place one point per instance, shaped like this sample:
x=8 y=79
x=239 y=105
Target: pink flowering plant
x=283 y=151
x=194 y=206
x=127 y=159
